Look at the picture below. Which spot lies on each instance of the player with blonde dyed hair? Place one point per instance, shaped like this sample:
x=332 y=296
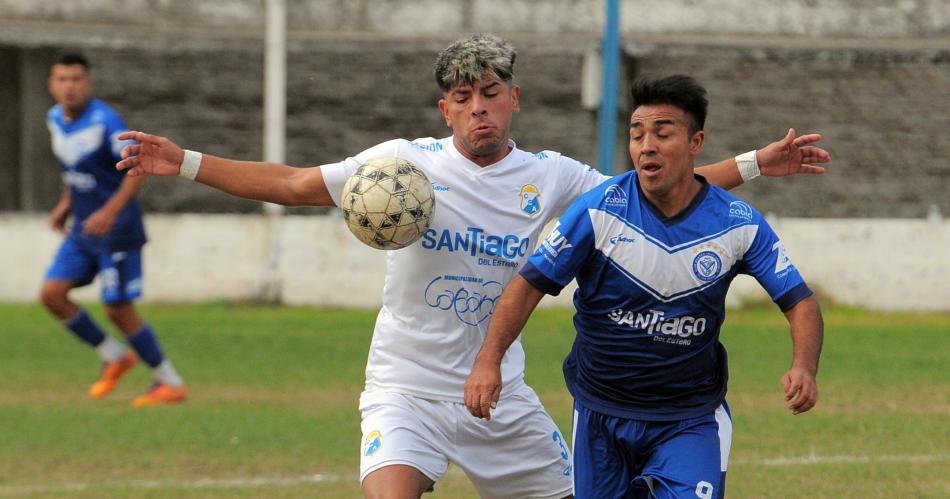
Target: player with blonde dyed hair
x=493 y=202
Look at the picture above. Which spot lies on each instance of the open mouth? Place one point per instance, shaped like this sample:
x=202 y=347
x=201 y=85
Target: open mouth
x=650 y=167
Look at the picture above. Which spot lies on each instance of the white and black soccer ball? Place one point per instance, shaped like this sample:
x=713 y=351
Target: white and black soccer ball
x=388 y=203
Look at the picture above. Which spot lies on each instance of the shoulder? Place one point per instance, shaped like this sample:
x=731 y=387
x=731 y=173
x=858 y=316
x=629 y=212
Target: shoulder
x=732 y=207
x=100 y=112
x=55 y=113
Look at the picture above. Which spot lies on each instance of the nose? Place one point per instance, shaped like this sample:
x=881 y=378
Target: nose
x=478 y=105
x=648 y=145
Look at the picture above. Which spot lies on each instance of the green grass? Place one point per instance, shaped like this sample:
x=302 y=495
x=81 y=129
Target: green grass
x=274 y=395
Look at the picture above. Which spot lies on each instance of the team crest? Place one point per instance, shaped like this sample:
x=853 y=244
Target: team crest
x=372 y=443
x=706 y=266
x=530 y=200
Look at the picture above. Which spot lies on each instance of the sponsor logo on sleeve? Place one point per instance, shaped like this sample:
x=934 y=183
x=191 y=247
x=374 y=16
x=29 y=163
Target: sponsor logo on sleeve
x=740 y=210
x=615 y=196
x=782 y=262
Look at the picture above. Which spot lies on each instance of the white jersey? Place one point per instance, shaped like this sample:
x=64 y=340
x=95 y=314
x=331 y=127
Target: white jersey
x=440 y=292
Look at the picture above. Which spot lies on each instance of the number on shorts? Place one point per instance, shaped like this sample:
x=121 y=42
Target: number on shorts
x=704 y=490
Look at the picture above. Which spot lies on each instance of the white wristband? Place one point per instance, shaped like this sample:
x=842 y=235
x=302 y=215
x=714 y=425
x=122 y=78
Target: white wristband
x=748 y=166
x=189 y=165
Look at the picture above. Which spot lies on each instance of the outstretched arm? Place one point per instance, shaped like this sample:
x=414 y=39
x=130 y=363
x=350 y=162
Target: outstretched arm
x=801 y=389
x=790 y=155
x=483 y=386
x=281 y=184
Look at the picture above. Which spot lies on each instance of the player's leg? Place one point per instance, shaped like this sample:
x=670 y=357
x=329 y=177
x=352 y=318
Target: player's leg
x=604 y=450
x=73 y=267
x=121 y=275
x=396 y=481
x=519 y=453
x=691 y=460
x=402 y=453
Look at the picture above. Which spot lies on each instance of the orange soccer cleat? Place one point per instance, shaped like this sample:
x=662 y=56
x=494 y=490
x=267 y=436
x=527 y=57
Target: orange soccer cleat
x=111 y=373
x=160 y=393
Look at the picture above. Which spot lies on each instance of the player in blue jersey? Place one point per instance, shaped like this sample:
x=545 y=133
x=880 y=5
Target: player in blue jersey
x=106 y=235
x=654 y=252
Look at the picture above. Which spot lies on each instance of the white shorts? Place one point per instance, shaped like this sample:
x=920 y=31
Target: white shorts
x=519 y=453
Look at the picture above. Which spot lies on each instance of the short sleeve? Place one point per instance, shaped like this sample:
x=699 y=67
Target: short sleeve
x=336 y=174
x=563 y=252
x=768 y=261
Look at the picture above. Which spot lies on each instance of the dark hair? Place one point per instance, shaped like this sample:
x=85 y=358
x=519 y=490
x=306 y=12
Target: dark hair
x=679 y=91
x=467 y=60
x=71 y=58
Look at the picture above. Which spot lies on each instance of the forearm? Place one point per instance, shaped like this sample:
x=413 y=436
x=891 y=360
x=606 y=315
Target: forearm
x=807 y=330
x=268 y=182
x=724 y=174
x=127 y=190
x=509 y=318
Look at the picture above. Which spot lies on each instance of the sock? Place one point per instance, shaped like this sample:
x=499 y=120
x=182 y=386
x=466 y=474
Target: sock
x=82 y=327
x=146 y=346
x=110 y=350
x=166 y=373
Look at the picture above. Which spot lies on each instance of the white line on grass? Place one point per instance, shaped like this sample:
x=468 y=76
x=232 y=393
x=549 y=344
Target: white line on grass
x=319 y=478
x=227 y=483
x=815 y=459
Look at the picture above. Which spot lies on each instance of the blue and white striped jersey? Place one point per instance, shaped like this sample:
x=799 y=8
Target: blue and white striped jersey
x=88 y=150
x=651 y=295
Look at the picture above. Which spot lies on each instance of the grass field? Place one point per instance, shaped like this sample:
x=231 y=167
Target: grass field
x=274 y=392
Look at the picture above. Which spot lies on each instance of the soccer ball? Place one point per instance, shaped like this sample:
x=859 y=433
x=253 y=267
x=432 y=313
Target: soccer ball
x=388 y=203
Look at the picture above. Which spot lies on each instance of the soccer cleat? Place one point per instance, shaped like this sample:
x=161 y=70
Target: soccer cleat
x=111 y=373
x=160 y=393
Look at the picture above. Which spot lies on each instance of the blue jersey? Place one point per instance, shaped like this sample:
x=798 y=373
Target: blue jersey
x=87 y=149
x=651 y=295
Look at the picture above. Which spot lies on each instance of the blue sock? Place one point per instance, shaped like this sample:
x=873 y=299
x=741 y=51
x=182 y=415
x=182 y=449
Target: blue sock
x=146 y=346
x=82 y=327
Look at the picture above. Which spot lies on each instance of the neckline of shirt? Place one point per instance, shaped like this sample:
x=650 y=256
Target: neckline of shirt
x=509 y=158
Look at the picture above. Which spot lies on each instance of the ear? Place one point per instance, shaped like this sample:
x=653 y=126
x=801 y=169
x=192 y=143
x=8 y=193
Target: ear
x=443 y=105
x=696 y=142
x=515 y=98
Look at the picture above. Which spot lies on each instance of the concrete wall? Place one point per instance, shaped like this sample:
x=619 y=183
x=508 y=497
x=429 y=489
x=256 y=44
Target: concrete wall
x=871 y=75
x=860 y=18
x=889 y=264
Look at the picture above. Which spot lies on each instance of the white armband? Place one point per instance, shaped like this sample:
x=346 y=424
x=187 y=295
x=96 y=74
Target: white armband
x=748 y=166
x=189 y=165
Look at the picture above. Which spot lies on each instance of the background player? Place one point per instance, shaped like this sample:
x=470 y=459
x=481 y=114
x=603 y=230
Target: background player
x=653 y=251
x=440 y=292
x=106 y=237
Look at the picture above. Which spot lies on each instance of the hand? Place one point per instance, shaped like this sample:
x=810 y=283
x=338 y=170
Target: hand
x=153 y=155
x=57 y=220
x=483 y=388
x=801 y=390
x=792 y=155
x=99 y=223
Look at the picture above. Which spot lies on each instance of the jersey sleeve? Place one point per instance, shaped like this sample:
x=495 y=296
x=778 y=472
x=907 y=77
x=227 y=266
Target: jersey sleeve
x=563 y=252
x=114 y=126
x=576 y=178
x=336 y=174
x=767 y=261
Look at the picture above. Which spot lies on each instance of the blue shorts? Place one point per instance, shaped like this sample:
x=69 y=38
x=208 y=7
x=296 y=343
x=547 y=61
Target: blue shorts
x=623 y=458
x=120 y=272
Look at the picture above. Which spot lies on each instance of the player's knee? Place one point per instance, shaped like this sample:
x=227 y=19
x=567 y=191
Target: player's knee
x=123 y=315
x=53 y=297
